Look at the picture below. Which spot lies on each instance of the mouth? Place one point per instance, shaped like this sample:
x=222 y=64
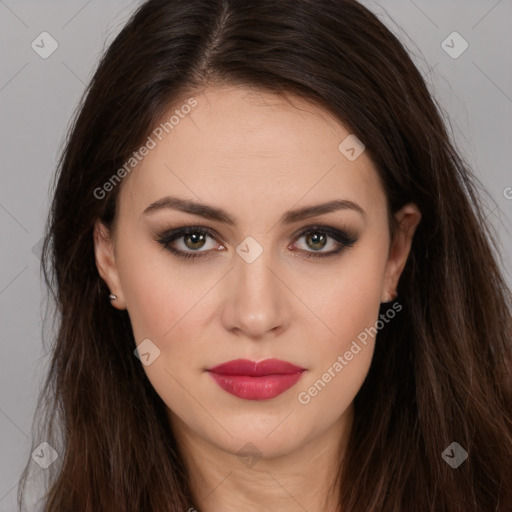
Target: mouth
x=253 y=380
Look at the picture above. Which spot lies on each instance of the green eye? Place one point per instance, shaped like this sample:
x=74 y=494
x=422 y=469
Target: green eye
x=317 y=238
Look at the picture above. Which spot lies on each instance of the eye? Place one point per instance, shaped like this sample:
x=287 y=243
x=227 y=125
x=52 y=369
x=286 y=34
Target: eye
x=190 y=237
x=192 y=241
x=317 y=238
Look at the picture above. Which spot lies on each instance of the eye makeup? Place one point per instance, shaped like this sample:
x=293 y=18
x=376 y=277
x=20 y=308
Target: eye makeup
x=196 y=235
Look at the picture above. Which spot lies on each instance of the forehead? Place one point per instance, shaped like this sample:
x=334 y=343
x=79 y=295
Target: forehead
x=253 y=153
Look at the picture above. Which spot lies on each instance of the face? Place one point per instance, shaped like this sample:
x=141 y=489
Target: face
x=253 y=272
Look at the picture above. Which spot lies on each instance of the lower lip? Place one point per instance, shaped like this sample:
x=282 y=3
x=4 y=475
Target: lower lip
x=256 y=388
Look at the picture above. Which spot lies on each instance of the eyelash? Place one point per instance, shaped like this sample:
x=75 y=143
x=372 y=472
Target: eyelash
x=345 y=240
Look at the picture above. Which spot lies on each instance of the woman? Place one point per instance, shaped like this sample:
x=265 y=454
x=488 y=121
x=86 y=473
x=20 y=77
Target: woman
x=276 y=286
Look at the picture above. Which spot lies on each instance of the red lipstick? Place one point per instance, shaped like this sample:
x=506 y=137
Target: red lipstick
x=253 y=380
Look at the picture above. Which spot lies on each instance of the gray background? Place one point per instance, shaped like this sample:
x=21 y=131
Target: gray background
x=38 y=97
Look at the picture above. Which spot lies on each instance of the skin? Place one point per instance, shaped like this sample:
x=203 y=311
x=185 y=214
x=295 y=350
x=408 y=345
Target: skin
x=256 y=156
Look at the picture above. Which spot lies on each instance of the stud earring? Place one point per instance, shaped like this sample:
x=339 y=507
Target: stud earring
x=112 y=296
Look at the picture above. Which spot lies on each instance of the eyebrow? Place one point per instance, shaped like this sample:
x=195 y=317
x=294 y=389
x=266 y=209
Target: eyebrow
x=220 y=215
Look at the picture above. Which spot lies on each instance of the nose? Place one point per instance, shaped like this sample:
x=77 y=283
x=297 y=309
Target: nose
x=256 y=300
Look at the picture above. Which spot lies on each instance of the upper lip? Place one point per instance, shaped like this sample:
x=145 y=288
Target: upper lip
x=256 y=369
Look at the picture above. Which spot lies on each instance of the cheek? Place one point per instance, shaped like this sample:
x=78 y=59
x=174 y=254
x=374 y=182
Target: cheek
x=350 y=301
x=350 y=308
x=158 y=296
x=342 y=360
x=164 y=305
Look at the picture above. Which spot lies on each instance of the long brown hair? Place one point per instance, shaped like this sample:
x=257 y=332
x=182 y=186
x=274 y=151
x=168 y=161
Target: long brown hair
x=441 y=371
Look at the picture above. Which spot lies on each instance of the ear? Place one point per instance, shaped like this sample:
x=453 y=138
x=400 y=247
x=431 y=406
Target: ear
x=106 y=263
x=408 y=218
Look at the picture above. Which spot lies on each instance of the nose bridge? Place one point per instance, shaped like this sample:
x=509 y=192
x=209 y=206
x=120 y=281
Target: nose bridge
x=255 y=304
x=253 y=272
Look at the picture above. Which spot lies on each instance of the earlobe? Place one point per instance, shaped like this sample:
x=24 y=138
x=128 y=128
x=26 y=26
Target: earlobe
x=408 y=218
x=106 y=263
